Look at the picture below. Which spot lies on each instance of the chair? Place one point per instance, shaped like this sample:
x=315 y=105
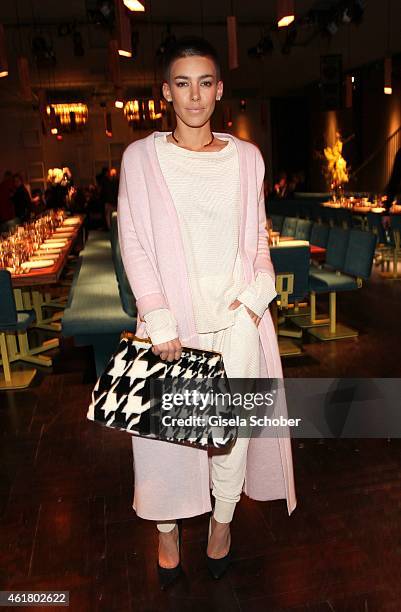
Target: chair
x=329 y=215
x=375 y=226
x=293 y=260
x=395 y=225
x=337 y=244
x=124 y=288
x=318 y=241
x=284 y=288
x=311 y=202
x=385 y=243
x=291 y=266
x=289 y=227
x=303 y=230
x=356 y=268
x=277 y=222
x=95 y=315
x=343 y=217
x=11 y=322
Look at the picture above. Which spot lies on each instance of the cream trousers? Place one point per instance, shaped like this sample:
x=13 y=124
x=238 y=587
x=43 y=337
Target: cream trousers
x=239 y=345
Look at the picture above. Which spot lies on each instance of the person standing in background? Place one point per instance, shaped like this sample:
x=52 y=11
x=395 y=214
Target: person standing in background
x=7 y=209
x=21 y=199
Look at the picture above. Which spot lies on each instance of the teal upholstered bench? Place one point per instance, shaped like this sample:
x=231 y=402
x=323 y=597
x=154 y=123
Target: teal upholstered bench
x=94 y=314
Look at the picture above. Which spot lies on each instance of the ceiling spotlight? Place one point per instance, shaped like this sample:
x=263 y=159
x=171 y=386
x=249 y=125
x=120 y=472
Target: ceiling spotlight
x=101 y=13
x=332 y=27
x=356 y=11
x=346 y=16
x=353 y=12
x=134 y=5
x=106 y=8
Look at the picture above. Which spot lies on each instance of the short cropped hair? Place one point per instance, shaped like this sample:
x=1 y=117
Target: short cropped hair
x=189 y=46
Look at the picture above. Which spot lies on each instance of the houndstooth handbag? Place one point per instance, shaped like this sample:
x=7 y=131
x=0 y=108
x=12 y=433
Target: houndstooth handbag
x=130 y=395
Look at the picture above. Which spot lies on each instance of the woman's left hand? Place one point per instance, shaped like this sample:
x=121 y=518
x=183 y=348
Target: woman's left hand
x=255 y=318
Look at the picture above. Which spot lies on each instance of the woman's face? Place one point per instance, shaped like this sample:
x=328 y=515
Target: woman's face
x=193 y=88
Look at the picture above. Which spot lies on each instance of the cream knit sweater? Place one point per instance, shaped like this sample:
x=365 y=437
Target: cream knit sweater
x=205 y=188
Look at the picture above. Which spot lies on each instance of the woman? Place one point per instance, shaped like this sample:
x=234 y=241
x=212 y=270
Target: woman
x=194 y=245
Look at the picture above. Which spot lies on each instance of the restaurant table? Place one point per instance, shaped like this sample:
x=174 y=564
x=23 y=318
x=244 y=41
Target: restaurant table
x=30 y=291
x=291 y=243
x=356 y=208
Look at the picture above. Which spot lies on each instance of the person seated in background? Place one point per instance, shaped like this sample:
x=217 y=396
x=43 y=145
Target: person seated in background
x=110 y=195
x=38 y=203
x=297 y=183
x=94 y=207
x=21 y=199
x=76 y=200
x=280 y=189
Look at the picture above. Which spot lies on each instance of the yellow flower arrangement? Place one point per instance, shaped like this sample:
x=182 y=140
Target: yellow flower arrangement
x=59 y=176
x=336 y=170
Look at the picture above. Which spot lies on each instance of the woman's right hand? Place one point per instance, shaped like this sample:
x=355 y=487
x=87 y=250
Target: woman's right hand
x=168 y=351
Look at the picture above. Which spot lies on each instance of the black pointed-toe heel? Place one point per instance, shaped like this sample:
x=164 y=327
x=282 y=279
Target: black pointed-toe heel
x=217 y=567
x=169 y=575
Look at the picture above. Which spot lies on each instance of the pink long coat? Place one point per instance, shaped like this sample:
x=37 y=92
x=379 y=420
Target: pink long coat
x=173 y=481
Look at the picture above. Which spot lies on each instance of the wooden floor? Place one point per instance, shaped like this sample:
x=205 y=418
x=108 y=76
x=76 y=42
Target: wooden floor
x=66 y=488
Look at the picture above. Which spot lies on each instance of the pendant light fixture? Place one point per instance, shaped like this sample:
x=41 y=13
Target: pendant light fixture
x=285 y=13
x=114 y=63
x=123 y=25
x=53 y=121
x=119 y=103
x=3 y=54
x=232 y=42
x=388 y=61
x=119 y=99
x=134 y=5
x=388 y=68
x=108 y=127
